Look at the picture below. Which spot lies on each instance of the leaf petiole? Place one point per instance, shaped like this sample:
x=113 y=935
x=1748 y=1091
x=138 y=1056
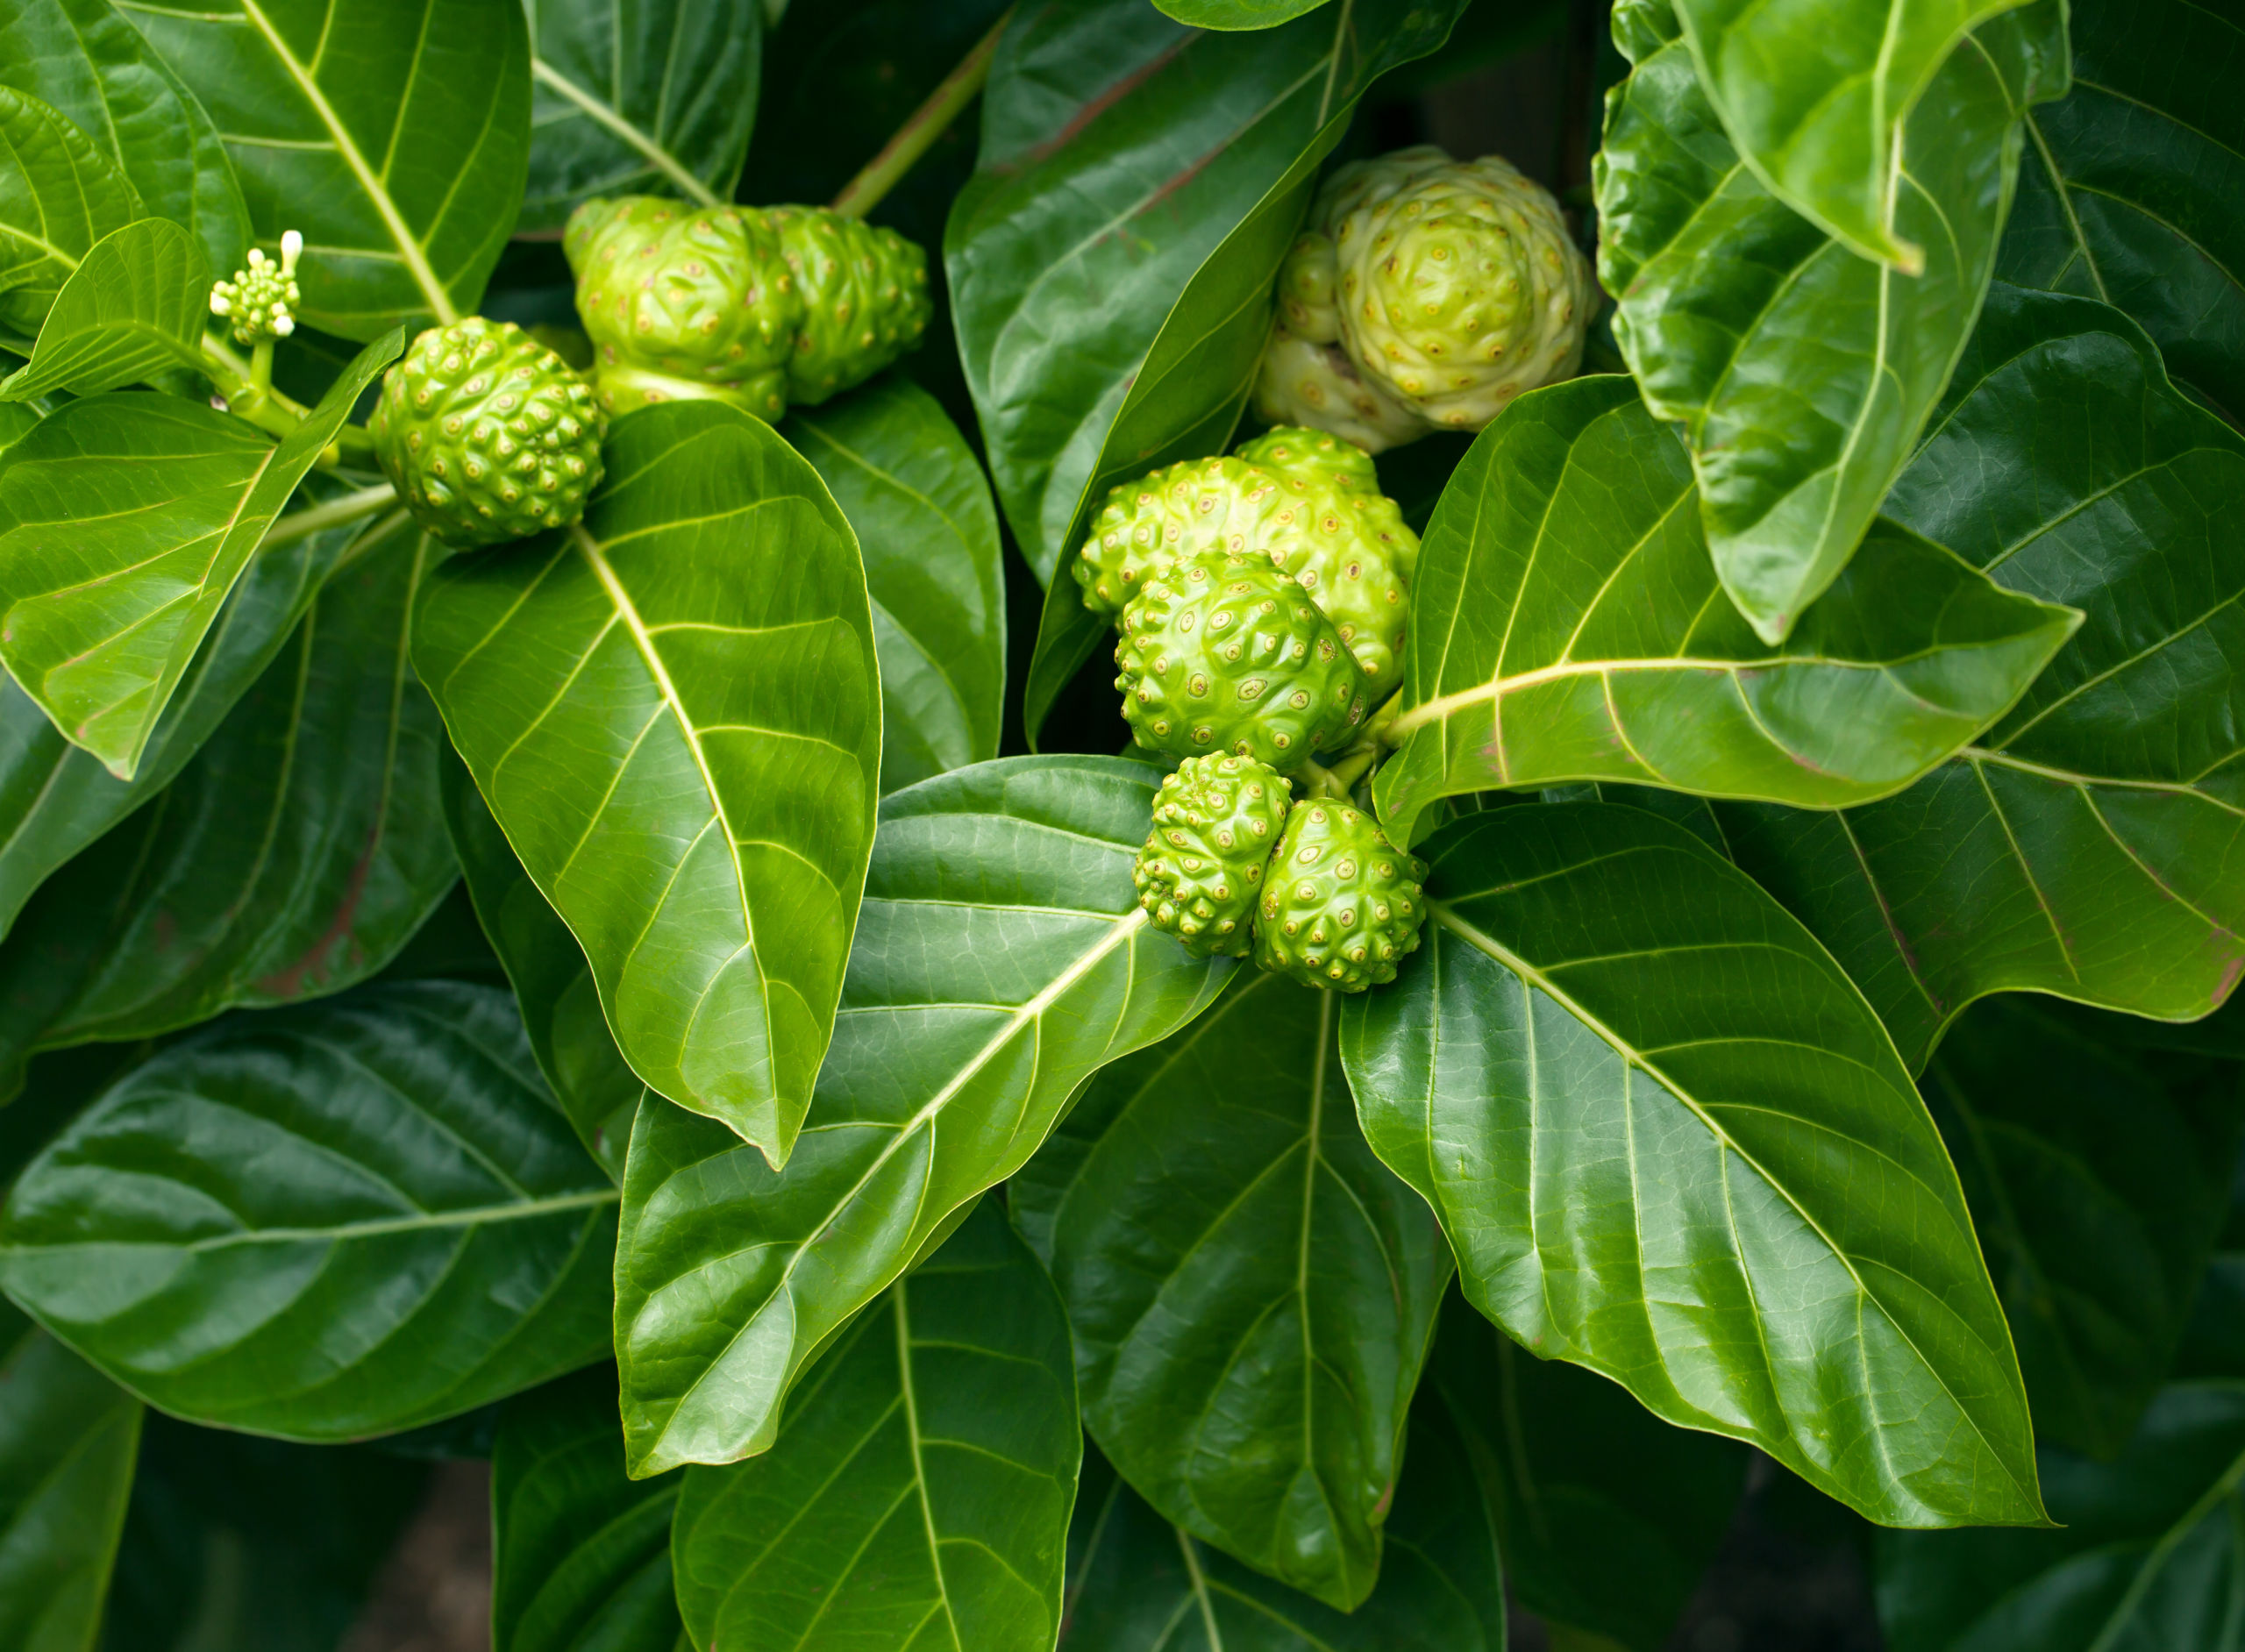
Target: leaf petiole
x=920 y=129
x=299 y=524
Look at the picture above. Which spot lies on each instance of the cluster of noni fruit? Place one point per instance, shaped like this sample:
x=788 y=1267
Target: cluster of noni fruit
x=488 y=435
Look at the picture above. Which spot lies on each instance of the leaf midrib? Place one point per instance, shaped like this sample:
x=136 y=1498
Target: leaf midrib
x=477 y=1215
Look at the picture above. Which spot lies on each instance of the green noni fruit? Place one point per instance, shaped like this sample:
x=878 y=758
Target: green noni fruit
x=866 y=299
x=1341 y=905
x=1225 y=653
x=1216 y=820
x=487 y=435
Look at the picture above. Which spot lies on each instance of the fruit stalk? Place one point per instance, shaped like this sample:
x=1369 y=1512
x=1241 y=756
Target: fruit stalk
x=926 y=123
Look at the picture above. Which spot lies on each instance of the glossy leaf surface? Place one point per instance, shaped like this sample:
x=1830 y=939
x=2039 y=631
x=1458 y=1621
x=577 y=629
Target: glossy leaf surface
x=393 y=134
x=59 y=194
x=2127 y=192
x=104 y=610
x=1669 y=1140
x=348 y=1218
x=1001 y=958
x=1118 y=150
x=2147 y=1560
x=1815 y=95
x=1252 y=1291
x=1137 y=1583
x=672 y=709
x=294 y=856
x=648 y=97
x=2099 y=1177
x=87 y=62
x=1801 y=373
x=1237 y=14
x=580 y=1557
x=134 y=306
x=916 y=499
x=2089 y=844
x=1574 y=630
x=67 y=1439
x=919 y=1495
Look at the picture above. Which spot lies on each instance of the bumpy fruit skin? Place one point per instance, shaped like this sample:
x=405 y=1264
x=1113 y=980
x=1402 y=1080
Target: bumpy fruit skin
x=1426 y=296
x=1225 y=653
x=1341 y=905
x=865 y=294
x=487 y=435
x=1308 y=500
x=758 y=308
x=1216 y=821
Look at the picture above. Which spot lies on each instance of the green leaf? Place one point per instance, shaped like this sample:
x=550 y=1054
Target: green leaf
x=2099 y=1177
x=2129 y=189
x=1252 y=1291
x=94 y=68
x=1119 y=149
x=1669 y=1140
x=1236 y=14
x=395 y=136
x=645 y=97
x=125 y=521
x=1608 y=1517
x=673 y=711
x=346 y=1218
x=293 y=858
x=580 y=1557
x=1001 y=958
x=1802 y=373
x=552 y=982
x=68 y=1439
x=59 y=194
x=916 y=499
x=2146 y=1560
x=134 y=306
x=1137 y=1583
x=55 y=798
x=1588 y=640
x=920 y=1495
x=1817 y=94
x=2087 y=844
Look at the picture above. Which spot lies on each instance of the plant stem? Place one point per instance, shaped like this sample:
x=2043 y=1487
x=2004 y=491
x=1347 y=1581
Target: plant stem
x=313 y=519
x=902 y=152
x=260 y=365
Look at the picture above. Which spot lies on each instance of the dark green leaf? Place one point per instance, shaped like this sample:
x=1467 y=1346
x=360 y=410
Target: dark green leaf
x=125 y=521
x=1586 y=637
x=393 y=135
x=920 y=1495
x=1252 y=1291
x=59 y=194
x=2129 y=186
x=2099 y=1177
x=2088 y=845
x=552 y=982
x=911 y=486
x=644 y=97
x=294 y=856
x=92 y=66
x=1606 y=1515
x=134 y=306
x=1001 y=959
x=1119 y=149
x=1670 y=1141
x=2147 y=1560
x=1801 y=373
x=67 y=1438
x=346 y=1218
x=581 y=1553
x=673 y=711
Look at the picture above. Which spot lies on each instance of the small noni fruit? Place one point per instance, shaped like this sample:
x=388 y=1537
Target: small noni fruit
x=1216 y=820
x=1341 y=905
x=1225 y=653
x=1426 y=294
x=866 y=299
x=487 y=435
x=1308 y=502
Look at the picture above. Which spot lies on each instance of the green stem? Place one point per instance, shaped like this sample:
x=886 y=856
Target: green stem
x=260 y=365
x=902 y=152
x=301 y=524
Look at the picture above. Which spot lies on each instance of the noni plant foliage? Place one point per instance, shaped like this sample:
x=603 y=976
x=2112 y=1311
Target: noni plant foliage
x=1013 y=836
